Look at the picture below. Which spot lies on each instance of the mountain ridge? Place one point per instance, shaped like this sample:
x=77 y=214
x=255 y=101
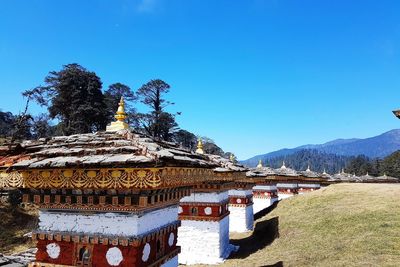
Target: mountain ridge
x=373 y=147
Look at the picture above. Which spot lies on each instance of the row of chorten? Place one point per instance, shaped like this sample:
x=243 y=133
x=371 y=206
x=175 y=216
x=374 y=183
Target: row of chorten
x=341 y=176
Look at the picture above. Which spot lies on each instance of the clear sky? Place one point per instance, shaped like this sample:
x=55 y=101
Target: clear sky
x=254 y=75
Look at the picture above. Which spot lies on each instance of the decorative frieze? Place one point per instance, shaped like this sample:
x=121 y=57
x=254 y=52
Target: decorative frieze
x=104 y=200
x=304 y=188
x=202 y=211
x=236 y=201
x=124 y=178
x=105 y=239
x=71 y=249
x=128 y=178
x=265 y=194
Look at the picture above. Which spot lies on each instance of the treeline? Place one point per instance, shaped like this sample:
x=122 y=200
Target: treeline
x=77 y=103
x=361 y=165
x=331 y=163
x=318 y=161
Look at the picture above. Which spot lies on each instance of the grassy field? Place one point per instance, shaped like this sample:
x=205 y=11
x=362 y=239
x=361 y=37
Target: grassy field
x=14 y=223
x=341 y=225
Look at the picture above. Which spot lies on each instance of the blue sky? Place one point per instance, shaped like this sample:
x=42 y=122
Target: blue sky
x=254 y=75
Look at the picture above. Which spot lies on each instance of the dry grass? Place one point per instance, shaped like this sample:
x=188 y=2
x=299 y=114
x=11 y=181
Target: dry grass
x=341 y=225
x=14 y=223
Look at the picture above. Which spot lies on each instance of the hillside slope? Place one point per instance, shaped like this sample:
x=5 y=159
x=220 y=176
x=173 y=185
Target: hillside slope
x=341 y=225
x=373 y=147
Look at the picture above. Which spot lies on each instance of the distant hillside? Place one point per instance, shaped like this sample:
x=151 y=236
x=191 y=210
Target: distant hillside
x=374 y=147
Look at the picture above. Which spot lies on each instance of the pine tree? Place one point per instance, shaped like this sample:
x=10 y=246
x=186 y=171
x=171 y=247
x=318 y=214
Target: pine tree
x=73 y=96
x=157 y=122
x=186 y=139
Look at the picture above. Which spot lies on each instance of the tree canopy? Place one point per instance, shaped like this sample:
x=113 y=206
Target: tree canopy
x=157 y=122
x=73 y=96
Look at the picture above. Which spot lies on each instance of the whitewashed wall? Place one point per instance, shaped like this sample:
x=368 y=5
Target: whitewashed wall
x=241 y=219
x=120 y=224
x=262 y=203
x=204 y=242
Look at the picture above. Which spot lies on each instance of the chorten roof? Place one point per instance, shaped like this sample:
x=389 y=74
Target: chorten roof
x=326 y=175
x=342 y=176
x=285 y=171
x=309 y=173
x=123 y=148
x=260 y=172
x=367 y=177
x=226 y=165
x=388 y=178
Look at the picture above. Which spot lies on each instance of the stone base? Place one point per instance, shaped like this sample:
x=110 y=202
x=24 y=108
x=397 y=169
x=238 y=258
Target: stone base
x=117 y=126
x=241 y=219
x=204 y=242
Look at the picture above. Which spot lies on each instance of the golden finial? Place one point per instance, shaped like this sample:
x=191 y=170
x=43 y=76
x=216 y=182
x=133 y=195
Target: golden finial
x=259 y=165
x=120 y=124
x=121 y=115
x=199 y=149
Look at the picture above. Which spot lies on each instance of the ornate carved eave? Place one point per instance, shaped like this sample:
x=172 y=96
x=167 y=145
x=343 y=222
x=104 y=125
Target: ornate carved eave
x=115 y=178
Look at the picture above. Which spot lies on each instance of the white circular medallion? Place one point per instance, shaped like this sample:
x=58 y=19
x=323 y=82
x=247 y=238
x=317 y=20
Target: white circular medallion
x=114 y=256
x=180 y=210
x=238 y=201
x=146 y=252
x=53 y=250
x=207 y=211
x=171 y=239
x=220 y=210
x=265 y=194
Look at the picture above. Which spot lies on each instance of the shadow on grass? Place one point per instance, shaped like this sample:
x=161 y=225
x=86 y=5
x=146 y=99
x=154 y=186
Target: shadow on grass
x=264 y=234
x=265 y=211
x=278 y=264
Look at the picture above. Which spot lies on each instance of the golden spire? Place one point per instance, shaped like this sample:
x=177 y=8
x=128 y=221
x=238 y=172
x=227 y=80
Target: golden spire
x=120 y=124
x=199 y=149
x=259 y=165
x=121 y=115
